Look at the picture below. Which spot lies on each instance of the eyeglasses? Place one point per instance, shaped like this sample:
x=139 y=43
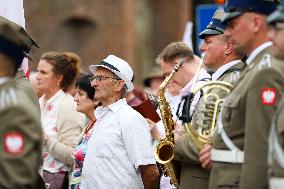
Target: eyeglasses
x=100 y=77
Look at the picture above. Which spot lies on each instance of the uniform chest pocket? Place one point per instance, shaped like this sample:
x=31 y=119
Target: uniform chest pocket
x=230 y=105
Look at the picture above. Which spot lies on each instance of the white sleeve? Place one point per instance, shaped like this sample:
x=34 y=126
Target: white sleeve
x=137 y=140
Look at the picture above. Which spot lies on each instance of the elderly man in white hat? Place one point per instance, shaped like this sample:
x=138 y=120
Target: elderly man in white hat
x=119 y=153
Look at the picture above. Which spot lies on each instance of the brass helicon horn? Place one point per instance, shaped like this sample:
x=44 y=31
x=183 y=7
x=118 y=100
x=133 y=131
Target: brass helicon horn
x=202 y=126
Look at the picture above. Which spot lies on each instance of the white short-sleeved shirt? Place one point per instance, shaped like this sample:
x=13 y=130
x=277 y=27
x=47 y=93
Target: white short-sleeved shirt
x=120 y=142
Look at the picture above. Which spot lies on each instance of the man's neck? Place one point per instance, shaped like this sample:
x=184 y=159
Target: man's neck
x=255 y=44
x=227 y=60
x=110 y=100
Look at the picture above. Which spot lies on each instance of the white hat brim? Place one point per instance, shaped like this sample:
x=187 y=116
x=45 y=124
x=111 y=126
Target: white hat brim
x=128 y=83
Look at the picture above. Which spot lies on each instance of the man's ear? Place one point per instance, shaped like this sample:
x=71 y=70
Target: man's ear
x=257 y=22
x=119 y=85
x=229 y=48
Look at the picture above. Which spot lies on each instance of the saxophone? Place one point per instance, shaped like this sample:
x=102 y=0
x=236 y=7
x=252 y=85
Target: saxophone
x=164 y=152
x=201 y=129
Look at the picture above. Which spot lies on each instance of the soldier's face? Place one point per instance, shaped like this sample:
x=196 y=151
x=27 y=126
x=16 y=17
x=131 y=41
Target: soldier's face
x=213 y=47
x=47 y=80
x=241 y=31
x=276 y=35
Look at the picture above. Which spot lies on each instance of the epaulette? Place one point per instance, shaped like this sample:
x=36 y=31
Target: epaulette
x=265 y=62
x=8 y=98
x=234 y=76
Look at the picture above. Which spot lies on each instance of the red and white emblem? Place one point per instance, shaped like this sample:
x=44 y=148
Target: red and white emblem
x=13 y=142
x=268 y=96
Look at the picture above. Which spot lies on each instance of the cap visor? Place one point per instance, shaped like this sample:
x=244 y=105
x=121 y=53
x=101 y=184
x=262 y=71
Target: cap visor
x=209 y=32
x=276 y=16
x=231 y=15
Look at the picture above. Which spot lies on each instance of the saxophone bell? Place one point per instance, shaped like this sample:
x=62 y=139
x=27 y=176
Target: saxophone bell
x=164 y=152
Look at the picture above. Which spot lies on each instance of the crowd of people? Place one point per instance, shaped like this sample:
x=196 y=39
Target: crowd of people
x=66 y=129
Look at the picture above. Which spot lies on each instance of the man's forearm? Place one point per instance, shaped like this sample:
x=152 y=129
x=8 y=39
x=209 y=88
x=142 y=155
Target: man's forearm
x=150 y=176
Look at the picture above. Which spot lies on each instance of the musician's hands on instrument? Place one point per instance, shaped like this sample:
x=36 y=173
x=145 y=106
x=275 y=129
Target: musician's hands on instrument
x=205 y=156
x=153 y=129
x=179 y=130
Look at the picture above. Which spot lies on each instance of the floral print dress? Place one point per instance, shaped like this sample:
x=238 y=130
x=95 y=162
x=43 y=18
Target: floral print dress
x=79 y=155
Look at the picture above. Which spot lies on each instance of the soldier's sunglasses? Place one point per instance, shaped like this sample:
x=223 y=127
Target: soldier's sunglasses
x=100 y=78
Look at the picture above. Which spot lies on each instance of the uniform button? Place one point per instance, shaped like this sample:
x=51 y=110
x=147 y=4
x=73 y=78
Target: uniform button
x=236 y=181
x=227 y=115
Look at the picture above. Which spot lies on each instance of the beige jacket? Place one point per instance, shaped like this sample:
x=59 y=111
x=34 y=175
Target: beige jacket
x=70 y=124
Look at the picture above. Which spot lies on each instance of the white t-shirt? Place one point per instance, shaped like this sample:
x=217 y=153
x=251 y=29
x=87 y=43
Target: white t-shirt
x=120 y=142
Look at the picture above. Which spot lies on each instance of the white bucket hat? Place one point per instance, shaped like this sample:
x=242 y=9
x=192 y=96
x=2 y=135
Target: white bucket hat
x=119 y=67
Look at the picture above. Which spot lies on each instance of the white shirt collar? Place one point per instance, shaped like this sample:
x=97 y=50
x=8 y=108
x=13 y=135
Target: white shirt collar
x=256 y=51
x=4 y=79
x=222 y=69
x=115 y=107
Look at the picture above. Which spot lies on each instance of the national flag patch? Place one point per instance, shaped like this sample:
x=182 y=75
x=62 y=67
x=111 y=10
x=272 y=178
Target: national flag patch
x=13 y=142
x=268 y=96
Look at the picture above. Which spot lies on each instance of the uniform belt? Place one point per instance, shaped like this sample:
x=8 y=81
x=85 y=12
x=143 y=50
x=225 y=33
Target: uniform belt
x=229 y=156
x=276 y=183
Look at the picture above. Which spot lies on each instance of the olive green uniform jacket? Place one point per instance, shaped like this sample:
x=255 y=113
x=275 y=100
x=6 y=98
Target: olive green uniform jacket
x=275 y=169
x=193 y=176
x=21 y=139
x=246 y=119
x=24 y=84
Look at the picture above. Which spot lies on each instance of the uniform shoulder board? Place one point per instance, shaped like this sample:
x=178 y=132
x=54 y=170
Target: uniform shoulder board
x=8 y=98
x=265 y=62
x=234 y=76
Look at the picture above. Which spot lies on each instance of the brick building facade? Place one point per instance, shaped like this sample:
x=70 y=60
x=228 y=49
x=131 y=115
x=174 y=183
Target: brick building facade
x=136 y=30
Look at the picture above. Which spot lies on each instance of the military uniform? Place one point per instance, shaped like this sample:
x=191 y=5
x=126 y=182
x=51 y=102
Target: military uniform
x=24 y=84
x=276 y=136
x=246 y=121
x=20 y=129
x=192 y=174
x=240 y=146
x=21 y=137
x=276 y=150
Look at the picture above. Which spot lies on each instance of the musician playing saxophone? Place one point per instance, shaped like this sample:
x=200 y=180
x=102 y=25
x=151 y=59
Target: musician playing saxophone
x=224 y=64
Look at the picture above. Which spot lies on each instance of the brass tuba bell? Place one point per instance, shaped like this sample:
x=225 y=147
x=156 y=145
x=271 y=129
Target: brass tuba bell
x=202 y=126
